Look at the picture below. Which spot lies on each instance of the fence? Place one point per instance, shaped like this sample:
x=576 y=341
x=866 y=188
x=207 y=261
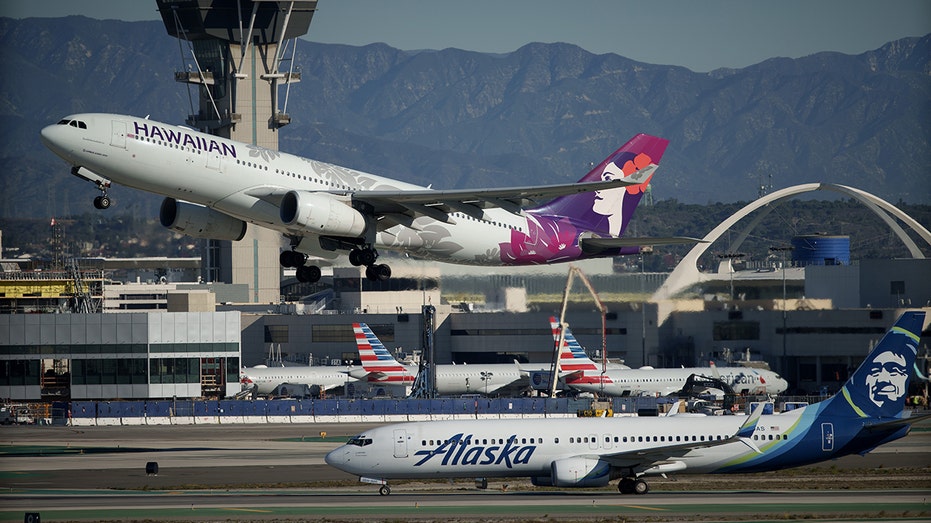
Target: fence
x=189 y=412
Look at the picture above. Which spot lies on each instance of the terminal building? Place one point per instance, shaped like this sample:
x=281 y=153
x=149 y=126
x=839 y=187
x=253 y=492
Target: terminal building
x=109 y=356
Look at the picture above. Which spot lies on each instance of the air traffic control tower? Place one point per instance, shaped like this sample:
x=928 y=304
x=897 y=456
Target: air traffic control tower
x=237 y=53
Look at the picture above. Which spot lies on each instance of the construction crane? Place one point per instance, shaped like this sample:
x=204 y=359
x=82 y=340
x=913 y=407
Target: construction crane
x=555 y=369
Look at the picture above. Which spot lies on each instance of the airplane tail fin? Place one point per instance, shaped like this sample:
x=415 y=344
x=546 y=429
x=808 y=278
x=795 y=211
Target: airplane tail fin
x=375 y=357
x=572 y=356
x=607 y=213
x=879 y=386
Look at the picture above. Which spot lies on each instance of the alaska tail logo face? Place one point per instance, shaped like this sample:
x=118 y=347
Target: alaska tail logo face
x=879 y=386
x=887 y=378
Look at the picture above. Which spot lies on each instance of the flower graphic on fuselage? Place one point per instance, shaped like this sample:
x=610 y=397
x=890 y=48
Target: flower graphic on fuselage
x=261 y=152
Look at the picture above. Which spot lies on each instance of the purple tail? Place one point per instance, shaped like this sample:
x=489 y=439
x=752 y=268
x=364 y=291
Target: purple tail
x=554 y=228
x=607 y=213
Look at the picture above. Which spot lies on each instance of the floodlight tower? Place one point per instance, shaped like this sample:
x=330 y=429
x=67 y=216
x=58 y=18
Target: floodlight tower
x=237 y=54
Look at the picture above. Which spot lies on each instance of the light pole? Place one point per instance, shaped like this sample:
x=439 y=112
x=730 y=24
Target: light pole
x=486 y=377
x=782 y=250
x=731 y=256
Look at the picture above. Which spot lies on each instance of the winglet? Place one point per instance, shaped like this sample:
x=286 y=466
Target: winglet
x=746 y=430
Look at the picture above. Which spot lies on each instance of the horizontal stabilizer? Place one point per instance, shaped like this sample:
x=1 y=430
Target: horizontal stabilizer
x=597 y=245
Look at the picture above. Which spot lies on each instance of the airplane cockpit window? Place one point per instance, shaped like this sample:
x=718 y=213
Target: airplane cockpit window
x=359 y=441
x=73 y=123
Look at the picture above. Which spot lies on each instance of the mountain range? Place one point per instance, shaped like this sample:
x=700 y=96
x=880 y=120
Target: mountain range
x=456 y=119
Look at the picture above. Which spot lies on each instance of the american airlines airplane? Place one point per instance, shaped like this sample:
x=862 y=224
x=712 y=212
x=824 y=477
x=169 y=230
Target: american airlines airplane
x=265 y=379
x=214 y=187
x=620 y=380
x=379 y=366
x=663 y=382
x=590 y=452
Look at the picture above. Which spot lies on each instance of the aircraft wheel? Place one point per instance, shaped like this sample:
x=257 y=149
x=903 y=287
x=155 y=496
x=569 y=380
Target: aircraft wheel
x=290 y=259
x=355 y=257
x=641 y=487
x=308 y=274
x=378 y=272
x=626 y=486
x=367 y=256
x=384 y=490
x=105 y=202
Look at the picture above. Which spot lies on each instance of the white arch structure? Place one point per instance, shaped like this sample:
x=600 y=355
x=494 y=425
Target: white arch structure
x=686 y=272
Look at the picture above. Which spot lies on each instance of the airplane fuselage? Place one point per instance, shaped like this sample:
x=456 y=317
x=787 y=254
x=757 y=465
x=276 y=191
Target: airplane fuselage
x=574 y=446
x=634 y=382
x=248 y=182
x=268 y=378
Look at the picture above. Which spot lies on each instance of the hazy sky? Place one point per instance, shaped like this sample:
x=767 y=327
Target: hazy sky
x=700 y=35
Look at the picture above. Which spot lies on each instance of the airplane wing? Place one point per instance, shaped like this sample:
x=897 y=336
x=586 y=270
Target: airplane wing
x=646 y=458
x=438 y=203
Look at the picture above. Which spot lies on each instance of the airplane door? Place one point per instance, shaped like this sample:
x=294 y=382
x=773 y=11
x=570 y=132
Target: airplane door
x=118 y=134
x=400 y=443
x=593 y=441
x=215 y=162
x=827 y=437
x=608 y=443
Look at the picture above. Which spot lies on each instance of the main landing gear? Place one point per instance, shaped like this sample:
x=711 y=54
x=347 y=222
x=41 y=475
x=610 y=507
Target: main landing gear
x=367 y=256
x=632 y=485
x=311 y=273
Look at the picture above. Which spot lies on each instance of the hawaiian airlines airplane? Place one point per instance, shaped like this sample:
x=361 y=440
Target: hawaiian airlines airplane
x=589 y=452
x=214 y=187
x=379 y=366
x=265 y=379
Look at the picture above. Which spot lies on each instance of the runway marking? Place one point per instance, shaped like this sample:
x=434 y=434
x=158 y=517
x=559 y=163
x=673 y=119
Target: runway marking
x=643 y=508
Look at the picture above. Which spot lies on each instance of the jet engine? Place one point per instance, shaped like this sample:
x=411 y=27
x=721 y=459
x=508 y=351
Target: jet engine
x=199 y=221
x=580 y=472
x=323 y=214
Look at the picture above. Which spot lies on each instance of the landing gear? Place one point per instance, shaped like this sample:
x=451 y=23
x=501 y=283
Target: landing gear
x=304 y=273
x=378 y=272
x=308 y=274
x=633 y=486
x=102 y=202
x=384 y=490
x=311 y=274
x=291 y=259
x=367 y=256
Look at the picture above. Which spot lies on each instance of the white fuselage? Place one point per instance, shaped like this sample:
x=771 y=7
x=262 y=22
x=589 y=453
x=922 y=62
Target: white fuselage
x=528 y=448
x=245 y=181
x=267 y=378
x=662 y=382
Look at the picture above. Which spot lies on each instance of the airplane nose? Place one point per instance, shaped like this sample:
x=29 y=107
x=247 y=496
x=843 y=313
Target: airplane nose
x=50 y=136
x=335 y=458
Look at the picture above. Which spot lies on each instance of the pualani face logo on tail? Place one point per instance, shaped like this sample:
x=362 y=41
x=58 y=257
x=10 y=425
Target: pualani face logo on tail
x=465 y=450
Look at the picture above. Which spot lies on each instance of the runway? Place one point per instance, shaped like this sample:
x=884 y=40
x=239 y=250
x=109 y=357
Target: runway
x=269 y=472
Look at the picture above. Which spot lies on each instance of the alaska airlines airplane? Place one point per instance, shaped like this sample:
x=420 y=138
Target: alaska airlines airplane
x=589 y=452
x=265 y=379
x=213 y=187
x=378 y=365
